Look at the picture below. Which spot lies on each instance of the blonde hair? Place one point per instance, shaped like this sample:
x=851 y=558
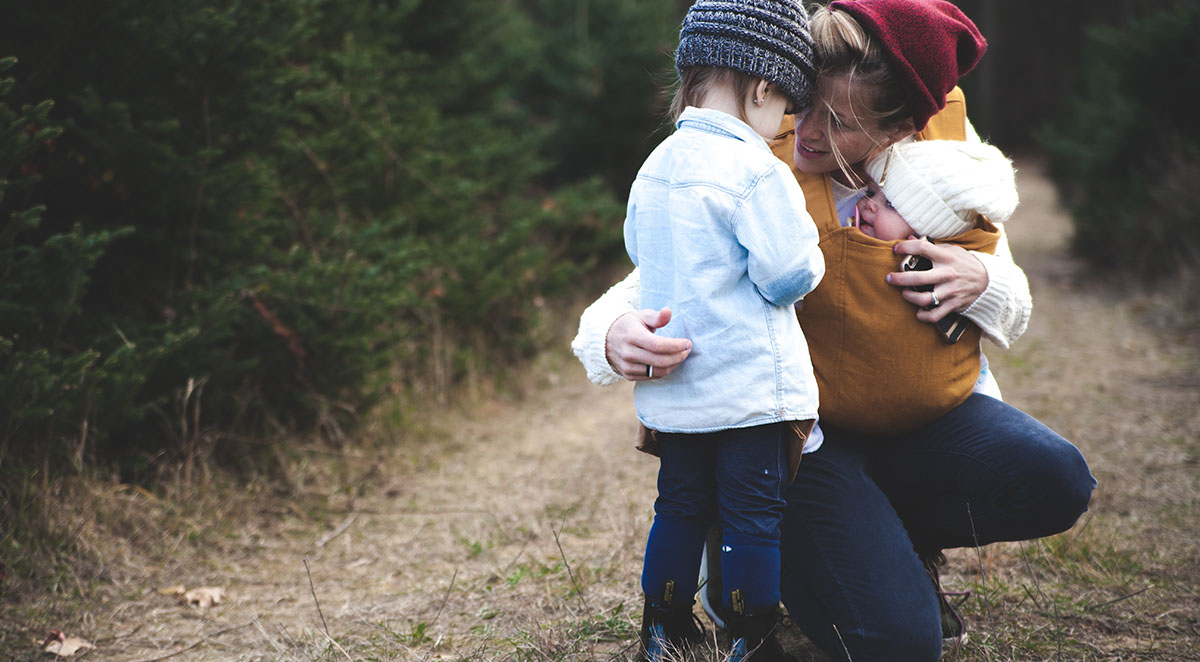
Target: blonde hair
x=695 y=83
x=845 y=51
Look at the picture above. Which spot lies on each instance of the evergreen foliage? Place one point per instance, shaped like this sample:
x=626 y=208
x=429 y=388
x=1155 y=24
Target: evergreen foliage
x=49 y=386
x=261 y=217
x=604 y=102
x=1126 y=154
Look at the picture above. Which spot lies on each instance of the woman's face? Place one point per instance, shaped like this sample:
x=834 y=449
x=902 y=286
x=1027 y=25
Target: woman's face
x=831 y=121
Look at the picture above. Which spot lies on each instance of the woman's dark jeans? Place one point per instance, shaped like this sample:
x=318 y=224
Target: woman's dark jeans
x=862 y=507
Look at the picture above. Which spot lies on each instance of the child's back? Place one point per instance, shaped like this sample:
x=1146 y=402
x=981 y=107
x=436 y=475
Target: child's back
x=718 y=229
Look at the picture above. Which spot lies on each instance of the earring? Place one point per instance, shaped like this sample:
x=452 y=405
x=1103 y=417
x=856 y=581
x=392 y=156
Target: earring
x=758 y=102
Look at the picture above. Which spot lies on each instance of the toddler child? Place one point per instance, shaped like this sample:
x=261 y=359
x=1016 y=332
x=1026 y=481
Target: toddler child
x=717 y=227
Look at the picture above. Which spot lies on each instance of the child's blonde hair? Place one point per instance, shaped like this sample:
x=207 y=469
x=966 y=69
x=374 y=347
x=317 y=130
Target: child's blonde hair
x=696 y=83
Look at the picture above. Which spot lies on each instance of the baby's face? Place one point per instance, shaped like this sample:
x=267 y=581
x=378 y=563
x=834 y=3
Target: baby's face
x=877 y=218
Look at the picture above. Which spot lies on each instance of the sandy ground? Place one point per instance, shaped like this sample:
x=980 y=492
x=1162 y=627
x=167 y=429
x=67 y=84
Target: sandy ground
x=519 y=522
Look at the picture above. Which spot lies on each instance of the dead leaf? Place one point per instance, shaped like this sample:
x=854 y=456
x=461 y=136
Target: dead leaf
x=204 y=597
x=61 y=645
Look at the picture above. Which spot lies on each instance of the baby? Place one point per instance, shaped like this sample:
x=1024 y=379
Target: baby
x=936 y=189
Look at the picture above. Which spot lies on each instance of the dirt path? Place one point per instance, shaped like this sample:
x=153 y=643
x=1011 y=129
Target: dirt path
x=518 y=533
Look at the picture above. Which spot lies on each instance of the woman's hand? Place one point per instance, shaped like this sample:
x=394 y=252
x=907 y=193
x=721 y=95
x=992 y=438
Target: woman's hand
x=958 y=279
x=632 y=348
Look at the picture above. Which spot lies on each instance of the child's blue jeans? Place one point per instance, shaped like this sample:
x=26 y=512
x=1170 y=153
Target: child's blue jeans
x=735 y=478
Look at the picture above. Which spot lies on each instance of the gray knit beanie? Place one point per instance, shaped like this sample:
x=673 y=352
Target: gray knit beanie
x=937 y=184
x=766 y=39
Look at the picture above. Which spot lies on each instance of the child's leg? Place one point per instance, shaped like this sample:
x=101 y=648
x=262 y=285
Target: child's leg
x=685 y=508
x=751 y=472
x=752 y=466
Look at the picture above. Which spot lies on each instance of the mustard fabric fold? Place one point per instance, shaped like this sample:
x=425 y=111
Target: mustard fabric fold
x=880 y=370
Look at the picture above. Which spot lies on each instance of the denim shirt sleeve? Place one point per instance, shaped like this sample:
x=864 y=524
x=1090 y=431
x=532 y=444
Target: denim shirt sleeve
x=631 y=245
x=785 y=261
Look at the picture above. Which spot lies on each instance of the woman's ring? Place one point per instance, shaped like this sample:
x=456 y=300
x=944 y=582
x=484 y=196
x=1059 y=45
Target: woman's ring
x=936 y=303
x=649 y=371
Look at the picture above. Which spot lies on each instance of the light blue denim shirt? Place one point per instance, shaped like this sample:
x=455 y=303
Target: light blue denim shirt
x=718 y=229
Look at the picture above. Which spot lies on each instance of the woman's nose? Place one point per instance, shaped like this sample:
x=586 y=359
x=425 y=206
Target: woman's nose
x=809 y=126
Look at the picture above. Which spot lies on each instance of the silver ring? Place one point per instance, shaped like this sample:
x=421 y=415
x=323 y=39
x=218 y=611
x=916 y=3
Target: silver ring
x=936 y=303
x=649 y=371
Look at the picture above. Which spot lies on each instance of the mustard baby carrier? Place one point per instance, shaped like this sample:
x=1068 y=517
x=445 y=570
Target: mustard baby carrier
x=880 y=370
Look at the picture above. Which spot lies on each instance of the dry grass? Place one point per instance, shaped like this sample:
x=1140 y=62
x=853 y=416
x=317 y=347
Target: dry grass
x=513 y=528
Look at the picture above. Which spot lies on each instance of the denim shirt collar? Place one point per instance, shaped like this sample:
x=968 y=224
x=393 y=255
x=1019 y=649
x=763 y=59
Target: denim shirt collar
x=719 y=123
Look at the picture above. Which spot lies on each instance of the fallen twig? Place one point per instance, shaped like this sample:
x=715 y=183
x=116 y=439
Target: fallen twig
x=197 y=643
x=445 y=599
x=320 y=613
x=317 y=602
x=1120 y=599
x=1032 y=573
x=842 y=642
x=270 y=640
x=339 y=530
x=987 y=607
x=579 y=591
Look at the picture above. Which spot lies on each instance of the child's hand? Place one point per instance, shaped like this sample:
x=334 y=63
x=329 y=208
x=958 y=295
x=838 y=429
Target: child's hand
x=958 y=279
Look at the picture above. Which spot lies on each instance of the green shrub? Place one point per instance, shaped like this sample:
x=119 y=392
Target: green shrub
x=52 y=388
x=1126 y=155
x=598 y=82
x=261 y=217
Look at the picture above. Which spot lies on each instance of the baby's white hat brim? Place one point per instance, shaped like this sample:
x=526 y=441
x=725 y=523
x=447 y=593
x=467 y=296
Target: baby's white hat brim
x=937 y=184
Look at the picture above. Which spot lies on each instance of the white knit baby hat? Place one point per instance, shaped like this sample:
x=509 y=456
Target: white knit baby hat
x=935 y=184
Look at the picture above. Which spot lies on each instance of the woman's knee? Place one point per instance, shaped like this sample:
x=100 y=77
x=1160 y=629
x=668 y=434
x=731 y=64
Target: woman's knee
x=1072 y=485
x=1059 y=486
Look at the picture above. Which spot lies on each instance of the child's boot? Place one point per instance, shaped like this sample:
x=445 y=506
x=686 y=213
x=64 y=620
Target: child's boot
x=753 y=638
x=668 y=630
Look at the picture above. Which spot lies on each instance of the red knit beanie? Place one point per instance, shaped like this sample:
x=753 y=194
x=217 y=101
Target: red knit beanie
x=930 y=43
